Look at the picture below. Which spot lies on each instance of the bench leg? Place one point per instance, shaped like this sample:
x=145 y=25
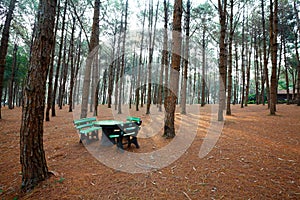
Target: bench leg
x=135 y=142
x=119 y=143
x=81 y=138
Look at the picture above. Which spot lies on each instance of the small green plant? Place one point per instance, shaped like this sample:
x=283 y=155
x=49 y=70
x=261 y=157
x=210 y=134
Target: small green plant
x=61 y=180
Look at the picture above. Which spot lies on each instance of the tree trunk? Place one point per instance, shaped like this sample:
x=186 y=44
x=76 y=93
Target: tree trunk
x=228 y=109
x=243 y=64
x=51 y=68
x=93 y=49
x=118 y=65
x=223 y=58
x=73 y=68
x=248 y=73
x=163 y=59
x=170 y=103
x=297 y=53
x=256 y=72
x=203 y=68
x=53 y=112
x=4 y=45
x=104 y=87
x=186 y=56
x=12 y=79
x=262 y=94
x=286 y=72
x=235 y=91
x=273 y=40
x=96 y=98
x=266 y=73
x=152 y=33
x=63 y=75
x=111 y=71
x=123 y=60
x=140 y=65
x=77 y=83
x=32 y=155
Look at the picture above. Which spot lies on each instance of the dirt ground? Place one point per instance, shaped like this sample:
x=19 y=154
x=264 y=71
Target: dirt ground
x=257 y=156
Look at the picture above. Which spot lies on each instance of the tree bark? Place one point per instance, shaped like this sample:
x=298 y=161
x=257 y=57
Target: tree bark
x=12 y=79
x=243 y=65
x=231 y=32
x=152 y=33
x=53 y=112
x=123 y=60
x=286 y=72
x=256 y=72
x=248 y=73
x=223 y=57
x=51 y=68
x=32 y=155
x=140 y=65
x=203 y=68
x=73 y=68
x=63 y=74
x=163 y=59
x=170 y=103
x=93 y=49
x=111 y=71
x=186 y=56
x=266 y=73
x=273 y=40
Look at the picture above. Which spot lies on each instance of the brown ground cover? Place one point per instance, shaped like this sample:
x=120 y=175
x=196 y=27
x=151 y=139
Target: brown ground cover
x=257 y=156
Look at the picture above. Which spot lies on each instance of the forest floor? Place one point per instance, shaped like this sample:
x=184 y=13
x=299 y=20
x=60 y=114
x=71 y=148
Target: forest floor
x=256 y=156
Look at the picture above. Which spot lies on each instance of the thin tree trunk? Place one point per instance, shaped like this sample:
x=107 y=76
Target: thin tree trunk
x=93 y=49
x=165 y=45
x=64 y=74
x=77 y=82
x=235 y=91
x=186 y=56
x=266 y=73
x=111 y=71
x=273 y=40
x=243 y=64
x=286 y=73
x=140 y=64
x=248 y=74
x=152 y=34
x=203 y=68
x=256 y=64
x=166 y=51
x=228 y=109
x=118 y=65
x=96 y=98
x=4 y=45
x=123 y=60
x=12 y=79
x=223 y=58
x=262 y=94
x=73 y=69
x=53 y=112
x=51 y=68
x=104 y=87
